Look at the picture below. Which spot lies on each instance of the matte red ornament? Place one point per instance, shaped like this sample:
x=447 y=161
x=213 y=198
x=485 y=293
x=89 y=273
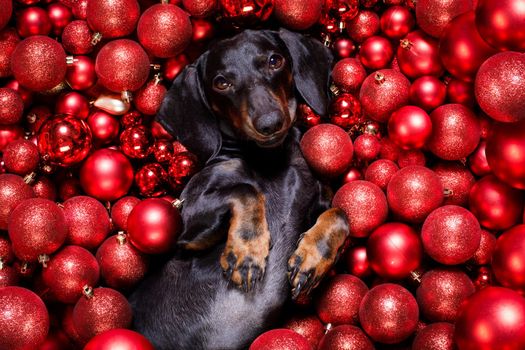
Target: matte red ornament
x=344 y=47
x=100 y=311
x=8 y=41
x=39 y=63
x=136 y=142
x=104 y=127
x=5 y=15
x=76 y=38
x=380 y=172
x=496 y=205
x=81 y=74
x=154 y=225
x=309 y=326
x=413 y=192
x=24 y=321
x=67 y=273
x=200 y=8
x=113 y=18
x=121 y=210
x=9 y=133
x=410 y=127
x=389 y=313
x=348 y=74
x=345 y=111
x=364 y=204
x=457 y=181
x=13 y=190
x=502 y=23
x=164 y=30
x=478 y=160
x=280 y=339
x=121 y=339
x=376 y=52
x=346 y=337
x=122 y=65
x=11 y=106
x=492 y=318
x=150 y=179
x=433 y=16
x=363 y=26
x=508 y=259
x=73 y=103
x=106 y=175
x=394 y=250
x=298 y=14
x=249 y=12
x=459 y=91
x=418 y=55
x=382 y=93
x=435 y=336
x=33 y=21
x=149 y=98
x=366 y=147
x=21 y=157
x=60 y=16
x=428 y=92
x=44 y=187
x=397 y=21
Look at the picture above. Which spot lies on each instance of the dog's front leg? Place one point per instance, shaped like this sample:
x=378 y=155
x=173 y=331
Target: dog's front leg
x=317 y=251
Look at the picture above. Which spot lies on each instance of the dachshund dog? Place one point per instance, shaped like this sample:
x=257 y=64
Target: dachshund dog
x=257 y=224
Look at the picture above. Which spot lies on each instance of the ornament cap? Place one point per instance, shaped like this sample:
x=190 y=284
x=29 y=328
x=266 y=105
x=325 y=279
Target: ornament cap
x=95 y=39
x=70 y=60
x=379 y=78
x=126 y=96
x=177 y=203
x=121 y=237
x=43 y=259
x=88 y=291
x=30 y=178
x=405 y=44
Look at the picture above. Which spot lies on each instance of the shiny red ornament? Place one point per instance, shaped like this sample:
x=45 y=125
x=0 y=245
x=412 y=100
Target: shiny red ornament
x=348 y=74
x=104 y=127
x=418 y=55
x=203 y=30
x=60 y=16
x=121 y=339
x=164 y=30
x=382 y=93
x=44 y=187
x=457 y=181
x=13 y=190
x=380 y=172
x=5 y=15
x=150 y=180
x=410 y=127
x=345 y=111
x=113 y=18
x=9 y=133
x=346 y=337
x=478 y=160
x=413 y=192
x=173 y=66
x=100 y=311
x=501 y=23
x=76 y=38
x=394 y=250
x=388 y=313
x=136 y=142
x=363 y=26
x=64 y=140
x=11 y=106
x=500 y=87
x=309 y=326
x=21 y=157
x=364 y=204
x=36 y=226
x=366 y=147
x=496 y=205
x=344 y=47
x=24 y=320
x=434 y=15
x=280 y=339
x=163 y=151
x=121 y=210
x=508 y=259
x=435 y=336
x=122 y=65
x=153 y=226
x=106 y=174
x=8 y=41
x=131 y=119
x=397 y=21
x=81 y=74
x=493 y=318
x=459 y=91
x=149 y=98
x=299 y=14
x=73 y=103
x=33 y=21
x=376 y=52
x=428 y=92
x=352 y=174
x=248 y=12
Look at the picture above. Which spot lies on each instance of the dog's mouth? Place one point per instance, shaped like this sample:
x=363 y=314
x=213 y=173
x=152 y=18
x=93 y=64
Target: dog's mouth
x=273 y=141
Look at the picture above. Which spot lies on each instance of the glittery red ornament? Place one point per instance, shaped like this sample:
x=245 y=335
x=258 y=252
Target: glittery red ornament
x=121 y=210
x=457 y=181
x=148 y=99
x=493 y=318
x=380 y=172
x=508 y=260
x=36 y=226
x=501 y=23
x=122 y=65
x=68 y=271
x=11 y=106
x=113 y=18
x=345 y=337
x=8 y=41
x=8 y=276
x=345 y=111
x=21 y=157
x=496 y=205
x=6 y=251
x=39 y=63
x=173 y=66
x=121 y=339
x=366 y=147
x=200 y=8
x=363 y=26
x=76 y=38
x=106 y=309
x=410 y=127
x=81 y=74
x=344 y=48
x=418 y=55
x=382 y=93
x=33 y=21
x=79 y=9
x=24 y=321
x=164 y=30
x=136 y=142
x=104 y=127
x=428 y=92
x=7 y=10
x=298 y=14
x=478 y=163
x=388 y=313
x=13 y=190
x=27 y=95
x=348 y=74
x=64 y=140
x=365 y=206
x=433 y=16
x=150 y=180
x=308 y=326
x=106 y=175
x=72 y=103
x=9 y=133
x=44 y=187
x=487 y=244
x=60 y=16
x=376 y=52
x=397 y=21
x=435 y=336
x=280 y=339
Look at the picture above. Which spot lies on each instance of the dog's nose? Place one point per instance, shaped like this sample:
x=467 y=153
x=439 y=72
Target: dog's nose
x=269 y=123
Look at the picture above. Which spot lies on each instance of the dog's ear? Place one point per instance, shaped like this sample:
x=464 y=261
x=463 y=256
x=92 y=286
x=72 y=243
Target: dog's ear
x=311 y=66
x=185 y=113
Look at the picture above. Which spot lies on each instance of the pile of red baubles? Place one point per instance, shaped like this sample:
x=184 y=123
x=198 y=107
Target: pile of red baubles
x=424 y=146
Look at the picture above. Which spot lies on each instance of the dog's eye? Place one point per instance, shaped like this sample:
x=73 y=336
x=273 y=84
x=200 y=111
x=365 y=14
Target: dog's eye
x=220 y=83
x=276 y=61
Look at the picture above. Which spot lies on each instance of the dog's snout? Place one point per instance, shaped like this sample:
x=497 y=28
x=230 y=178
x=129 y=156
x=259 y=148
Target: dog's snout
x=269 y=123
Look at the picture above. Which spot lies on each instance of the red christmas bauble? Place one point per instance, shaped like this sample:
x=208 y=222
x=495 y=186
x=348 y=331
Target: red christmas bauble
x=496 y=205
x=501 y=23
x=79 y=9
x=113 y=18
x=36 y=226
x=346 y=337
x=6 y=252
x=164 y=30
x=200 y=8
x=33 y=21
x=348 y=74
x=357 y=262
x=345 y=111
x=8 y=41
x=500 y=86
x=457 y=181
x=104 y=127
x=487 y=244
x=435 y=336
x=8 y=276
x=24 y=321
x=280 y=339
x=5 y=15
x=44 y=187
x=26 y=94
x=418 y=55
x=9 y=133
x=508 y=260
x=298 y=14
x=459 y=91
x=21 y=157
x=148 y=99
x=106 y=309
x=382 y=93
x=428 y=92
x=81 y=74
x=413 y=192
x=68 y=272
x=181 y=168
x=73 y=103
x=39 y=63
x=13 y=190
x=56 y=340
x=119 y=339
x=308 y=326
x=60 y=16
x=397 y=21
x=64 y=140
x=380 y=172
x=366 y=147
x=136 y=141
x=363 y=26
x=106 y=175
x=389 y=313
x=69 y=188
x=163 y=151
x=173 y=66
x=150 y=180
x=344 y=48
x=376 y=52
x=364 y=204
x=411 y=157
x=121 y=210
x=394 y=250
x=11 y=106
x=500 y=313
x=478 y=160
x=122 y=65
x=433 y=16
x=76 y=38
x=241 y=13
x=410 y=127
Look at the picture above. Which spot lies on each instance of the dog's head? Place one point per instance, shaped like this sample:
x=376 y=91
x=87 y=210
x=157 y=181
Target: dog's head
x=246 y=87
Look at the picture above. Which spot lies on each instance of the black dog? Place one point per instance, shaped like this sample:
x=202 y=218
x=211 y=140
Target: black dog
x=245 y=211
